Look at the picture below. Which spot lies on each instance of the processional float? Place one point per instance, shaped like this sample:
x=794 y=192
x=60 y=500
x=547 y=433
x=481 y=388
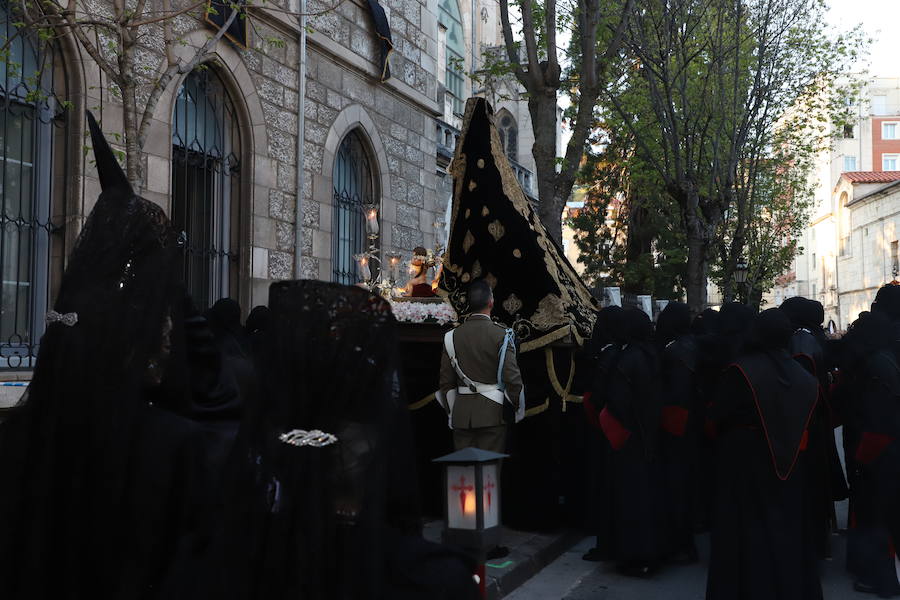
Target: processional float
x=495 y=234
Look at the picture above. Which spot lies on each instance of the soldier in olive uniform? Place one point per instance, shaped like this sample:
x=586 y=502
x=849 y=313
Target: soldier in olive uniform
x=474 y=384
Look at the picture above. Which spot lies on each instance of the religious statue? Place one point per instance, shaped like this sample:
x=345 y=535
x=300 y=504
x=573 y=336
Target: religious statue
x=419 y=286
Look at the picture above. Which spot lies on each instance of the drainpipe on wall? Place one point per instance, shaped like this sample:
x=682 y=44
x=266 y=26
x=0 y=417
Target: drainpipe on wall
x=301 y=146
x=474 y=56
x=837 y=285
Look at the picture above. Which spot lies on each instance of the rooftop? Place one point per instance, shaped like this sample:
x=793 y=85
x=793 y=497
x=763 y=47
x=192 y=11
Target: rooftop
x=871 y=176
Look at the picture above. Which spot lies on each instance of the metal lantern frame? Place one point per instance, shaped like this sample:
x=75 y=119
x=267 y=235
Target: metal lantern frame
x=479 y=539
x=371 y=259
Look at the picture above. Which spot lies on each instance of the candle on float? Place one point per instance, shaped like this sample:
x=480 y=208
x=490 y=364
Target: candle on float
x=372 y=222
x=364 y=272
x=395 y=266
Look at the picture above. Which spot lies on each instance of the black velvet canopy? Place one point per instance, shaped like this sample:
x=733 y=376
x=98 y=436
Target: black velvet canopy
x=495 y=234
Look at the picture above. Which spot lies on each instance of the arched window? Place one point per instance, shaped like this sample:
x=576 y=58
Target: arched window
x=206 y=197
x=354 y=191
x=509 y=134
x=844 y=226
x=29 y=108
x=449 y=18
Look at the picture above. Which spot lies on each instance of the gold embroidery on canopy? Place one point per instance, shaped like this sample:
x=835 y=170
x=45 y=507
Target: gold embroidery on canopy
x=512 y=304
x=468 y=242
x=577 y=305
x=548 y=312
x=492 y=281
x=466 y=277
x=468 y=212
x=476 y=269
x=497 y=230
x=485 y=211
x=472 y=185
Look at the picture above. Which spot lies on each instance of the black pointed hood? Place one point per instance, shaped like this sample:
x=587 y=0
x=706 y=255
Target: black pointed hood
x=113 y=180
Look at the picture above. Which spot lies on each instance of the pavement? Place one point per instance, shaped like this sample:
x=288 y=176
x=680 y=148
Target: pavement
x=571 y=578
x=528 y=553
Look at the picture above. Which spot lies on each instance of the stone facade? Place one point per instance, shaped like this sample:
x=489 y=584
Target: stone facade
x=852 y=250
x=869 y=259
x=406 y=128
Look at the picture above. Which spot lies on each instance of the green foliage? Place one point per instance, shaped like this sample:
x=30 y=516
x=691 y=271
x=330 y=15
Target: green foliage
x=727 y=104
x=628 y=233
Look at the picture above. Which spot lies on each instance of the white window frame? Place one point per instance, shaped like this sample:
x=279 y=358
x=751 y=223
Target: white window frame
x=896 y=128
x=846 y=159
x=879 y=104
x=893 y=157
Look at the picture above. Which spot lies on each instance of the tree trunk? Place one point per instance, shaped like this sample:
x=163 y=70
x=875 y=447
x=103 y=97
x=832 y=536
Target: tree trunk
x=698 y=240
x=131 y=121
x=132 y=147
x=697 y=268
x=542 y=107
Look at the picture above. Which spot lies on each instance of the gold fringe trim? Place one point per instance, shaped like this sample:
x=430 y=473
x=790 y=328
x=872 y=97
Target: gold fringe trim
x=387 y=58
x=563 y=393
x=421 y=403
x=549 y=338
x=536 y=410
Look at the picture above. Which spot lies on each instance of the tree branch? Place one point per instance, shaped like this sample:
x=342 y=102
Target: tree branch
x=511 y=50
x=174 y=68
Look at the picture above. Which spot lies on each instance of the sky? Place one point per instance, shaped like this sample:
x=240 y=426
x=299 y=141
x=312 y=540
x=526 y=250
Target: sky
x=880 y=20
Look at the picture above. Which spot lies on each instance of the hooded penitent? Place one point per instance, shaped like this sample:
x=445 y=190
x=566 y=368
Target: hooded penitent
x=495 y=234
x=66 y=454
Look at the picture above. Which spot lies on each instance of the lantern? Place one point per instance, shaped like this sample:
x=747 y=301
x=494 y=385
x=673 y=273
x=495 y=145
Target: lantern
x=740 y=271
x=394 y=261
x=372 y=222
x=472 y=499
x=362 y=263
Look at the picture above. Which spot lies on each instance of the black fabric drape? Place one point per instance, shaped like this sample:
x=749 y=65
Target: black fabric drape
x=383 y=32
x=495 y=234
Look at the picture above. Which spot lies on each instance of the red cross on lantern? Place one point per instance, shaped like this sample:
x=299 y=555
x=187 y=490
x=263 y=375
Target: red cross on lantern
x=489 y=486
x=463 y=490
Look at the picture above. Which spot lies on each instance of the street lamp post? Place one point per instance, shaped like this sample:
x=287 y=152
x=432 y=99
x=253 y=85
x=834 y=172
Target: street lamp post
x=741 y=270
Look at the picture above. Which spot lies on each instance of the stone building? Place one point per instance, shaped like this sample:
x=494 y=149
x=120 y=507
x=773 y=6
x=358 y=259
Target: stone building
x=856 y=248
x=868 y=144
x=253 y=142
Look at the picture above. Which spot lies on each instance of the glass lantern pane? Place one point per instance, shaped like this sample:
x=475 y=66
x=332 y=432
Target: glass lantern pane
x=461 y=509
x=491 y=493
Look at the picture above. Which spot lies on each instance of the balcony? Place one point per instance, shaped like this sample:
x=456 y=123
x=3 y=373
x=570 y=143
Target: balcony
x=525 y=178
x=447 y=138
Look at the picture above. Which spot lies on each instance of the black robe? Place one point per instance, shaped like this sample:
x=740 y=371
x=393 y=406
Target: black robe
x=630 y=421
x=824 y=476
x=759 y=548
x=598 y=449
x=874 y=452
x=679 y=439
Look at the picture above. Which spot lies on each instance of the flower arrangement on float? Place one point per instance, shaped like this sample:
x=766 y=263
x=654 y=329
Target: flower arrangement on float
x=411 y=311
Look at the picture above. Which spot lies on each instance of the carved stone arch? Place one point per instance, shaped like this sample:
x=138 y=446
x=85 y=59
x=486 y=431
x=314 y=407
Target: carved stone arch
x=355 y=118
x=254 y=163
x=508 y=128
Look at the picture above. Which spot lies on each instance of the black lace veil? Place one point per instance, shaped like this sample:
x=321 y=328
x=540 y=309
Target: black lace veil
x=65 y=453
x=309 y=521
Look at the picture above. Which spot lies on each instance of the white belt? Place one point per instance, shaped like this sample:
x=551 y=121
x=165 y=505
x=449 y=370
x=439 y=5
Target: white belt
x=488 y=390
